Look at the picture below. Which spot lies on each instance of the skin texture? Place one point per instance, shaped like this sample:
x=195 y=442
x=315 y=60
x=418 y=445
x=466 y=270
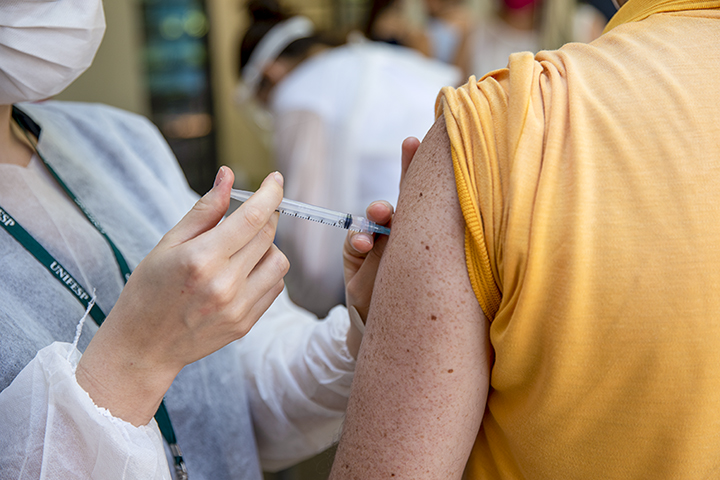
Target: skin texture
x=423 y=370
x=362 y=253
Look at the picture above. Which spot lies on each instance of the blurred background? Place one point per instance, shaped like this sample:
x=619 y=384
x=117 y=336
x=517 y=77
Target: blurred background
x=176 y=62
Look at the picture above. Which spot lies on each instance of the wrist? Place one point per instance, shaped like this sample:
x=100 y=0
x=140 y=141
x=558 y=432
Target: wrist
x=119 y=379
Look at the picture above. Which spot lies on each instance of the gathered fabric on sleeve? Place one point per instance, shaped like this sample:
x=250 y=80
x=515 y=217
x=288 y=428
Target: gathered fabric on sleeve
x=47 y=411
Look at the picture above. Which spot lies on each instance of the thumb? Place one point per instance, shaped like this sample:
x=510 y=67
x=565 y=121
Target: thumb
x=409 y=147
x=206 y=213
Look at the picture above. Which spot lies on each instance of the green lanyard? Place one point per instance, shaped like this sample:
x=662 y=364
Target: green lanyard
x=63 y=276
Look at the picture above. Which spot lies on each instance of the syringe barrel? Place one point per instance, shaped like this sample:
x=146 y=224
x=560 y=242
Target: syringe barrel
x=313 y=212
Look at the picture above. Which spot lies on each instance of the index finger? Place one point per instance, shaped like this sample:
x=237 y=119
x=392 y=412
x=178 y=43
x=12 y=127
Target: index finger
x=244 y=223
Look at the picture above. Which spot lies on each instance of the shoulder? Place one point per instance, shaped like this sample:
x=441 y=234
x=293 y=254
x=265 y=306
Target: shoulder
x=87 y=115
x=394 y=61
x=123 y=147
x=101 y=126
x=112 y=135
x=93 y=120
x=338 y=75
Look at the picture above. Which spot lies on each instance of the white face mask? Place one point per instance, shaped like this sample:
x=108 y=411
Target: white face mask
x=45 y=45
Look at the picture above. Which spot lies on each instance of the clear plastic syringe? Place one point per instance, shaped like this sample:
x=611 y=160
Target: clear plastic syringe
x=320 y=214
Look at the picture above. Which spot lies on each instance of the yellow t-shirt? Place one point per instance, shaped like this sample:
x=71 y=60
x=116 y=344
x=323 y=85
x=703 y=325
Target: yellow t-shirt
x=589 y=179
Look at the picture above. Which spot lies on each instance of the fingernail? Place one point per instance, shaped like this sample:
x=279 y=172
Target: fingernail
x=277 y=176
x=364 y=238
x=219 y=177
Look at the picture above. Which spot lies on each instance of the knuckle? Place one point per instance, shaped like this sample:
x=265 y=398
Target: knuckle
x=267 y=233
x=245 y=325
x=217 y=292
x=278 y=262
x=210 y=206
x=255 y=217
x=244 y=321
x=195 y=265
x=278 y=288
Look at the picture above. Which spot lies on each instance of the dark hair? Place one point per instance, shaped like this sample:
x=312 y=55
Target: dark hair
x=376 y=9
x=265 y=14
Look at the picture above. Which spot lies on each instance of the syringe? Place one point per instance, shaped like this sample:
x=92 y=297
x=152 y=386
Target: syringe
x=320 y=214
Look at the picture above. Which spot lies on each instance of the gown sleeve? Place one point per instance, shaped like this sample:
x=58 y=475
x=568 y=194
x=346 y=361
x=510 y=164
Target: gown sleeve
x=297 y=369
x=298 y=376
x=51 y=429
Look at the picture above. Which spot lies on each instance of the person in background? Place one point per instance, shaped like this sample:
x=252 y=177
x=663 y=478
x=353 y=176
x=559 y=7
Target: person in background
x=388 y=21
x=547 y=306
x=527 y=25
x=449 y=24
x=341 y=113
x=97 y=217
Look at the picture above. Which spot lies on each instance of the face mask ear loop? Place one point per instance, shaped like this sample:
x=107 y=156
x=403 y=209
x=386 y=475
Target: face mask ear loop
x=271 y=45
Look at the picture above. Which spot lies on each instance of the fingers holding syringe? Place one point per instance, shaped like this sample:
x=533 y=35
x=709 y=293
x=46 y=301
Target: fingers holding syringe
x=379 y=212
x=265 y=282
x=254 y=220
x=361 y=256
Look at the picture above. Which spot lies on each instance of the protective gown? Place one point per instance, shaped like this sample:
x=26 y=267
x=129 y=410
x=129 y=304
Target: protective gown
x=265 y=402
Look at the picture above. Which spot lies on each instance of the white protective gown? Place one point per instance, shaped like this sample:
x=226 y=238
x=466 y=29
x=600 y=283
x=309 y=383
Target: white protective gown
x=341 y=117
x=271 y=399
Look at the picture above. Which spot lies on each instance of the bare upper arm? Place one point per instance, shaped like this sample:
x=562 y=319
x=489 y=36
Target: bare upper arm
x=421 y=384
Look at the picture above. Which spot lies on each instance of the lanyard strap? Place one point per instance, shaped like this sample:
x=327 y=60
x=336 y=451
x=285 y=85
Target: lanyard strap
x=49 y=262
x=63 y=276
x=119 y=258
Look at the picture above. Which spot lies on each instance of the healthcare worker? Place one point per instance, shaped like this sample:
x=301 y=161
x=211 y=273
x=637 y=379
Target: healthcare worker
x=340 y=114
x=91 y=205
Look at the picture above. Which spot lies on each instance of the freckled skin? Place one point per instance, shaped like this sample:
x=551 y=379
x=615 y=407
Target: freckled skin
x=410 y=416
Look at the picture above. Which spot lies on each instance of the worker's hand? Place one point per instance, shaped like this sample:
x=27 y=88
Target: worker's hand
x=203 y=286
x=362 y=253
